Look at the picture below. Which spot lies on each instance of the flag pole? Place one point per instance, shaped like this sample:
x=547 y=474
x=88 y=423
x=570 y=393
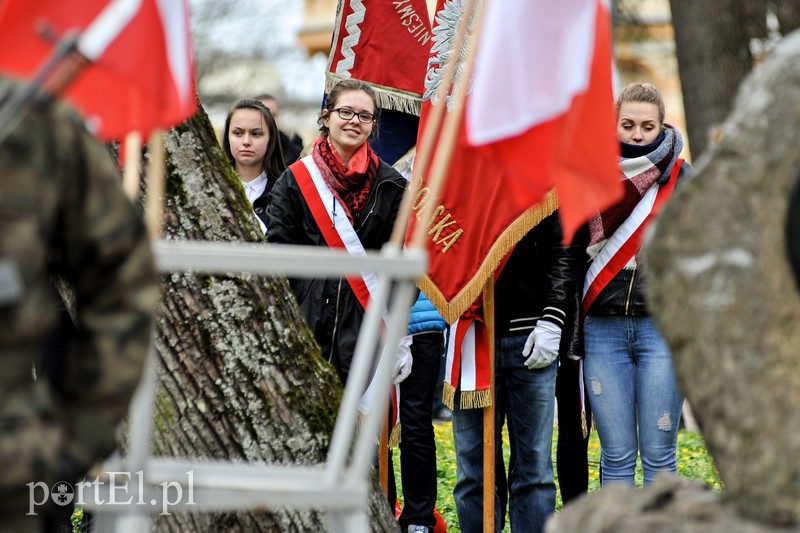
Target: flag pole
x=488 y=415
x=426 y=146
x=383 y=456
x=131 y=174
x=154 y=203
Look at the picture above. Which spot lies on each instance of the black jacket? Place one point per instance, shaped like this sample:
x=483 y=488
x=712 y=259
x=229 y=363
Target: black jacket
x=260 y=204
x=539 y=280
x=291 y=147
x=329 y=305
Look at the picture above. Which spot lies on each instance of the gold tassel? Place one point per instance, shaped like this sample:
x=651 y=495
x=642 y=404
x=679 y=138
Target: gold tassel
x=448 y=395
x=395 y=436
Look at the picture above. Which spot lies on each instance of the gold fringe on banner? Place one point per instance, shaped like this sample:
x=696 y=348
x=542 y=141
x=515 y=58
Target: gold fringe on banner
x=388 y=98
x=475 y=399
x=448 y=395
x=453 y=309
x=395 y=436
x=584 y=428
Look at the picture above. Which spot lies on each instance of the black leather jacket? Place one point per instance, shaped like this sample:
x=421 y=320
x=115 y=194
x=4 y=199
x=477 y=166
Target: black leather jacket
x=539 y=280
x=328 y=304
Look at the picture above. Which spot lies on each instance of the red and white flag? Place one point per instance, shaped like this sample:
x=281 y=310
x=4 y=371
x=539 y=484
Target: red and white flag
x=141 y=76
x=542 y=103
x=542 y=109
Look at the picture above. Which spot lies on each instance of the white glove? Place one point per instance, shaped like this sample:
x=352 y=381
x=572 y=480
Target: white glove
x=542 y=345
x=403 y=360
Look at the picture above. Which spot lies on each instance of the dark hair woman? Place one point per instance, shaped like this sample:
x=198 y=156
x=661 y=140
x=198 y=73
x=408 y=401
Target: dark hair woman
x=252 y=144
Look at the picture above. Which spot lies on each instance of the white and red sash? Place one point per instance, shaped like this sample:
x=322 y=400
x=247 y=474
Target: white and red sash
x=626 y=240
x=468 y=363
x=338 y=232
x=332 y=222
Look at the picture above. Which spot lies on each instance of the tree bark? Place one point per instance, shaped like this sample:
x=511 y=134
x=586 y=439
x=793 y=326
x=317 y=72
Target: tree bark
x=713 y=57
x=722 y=291
x=788 y=13
x=240 y=374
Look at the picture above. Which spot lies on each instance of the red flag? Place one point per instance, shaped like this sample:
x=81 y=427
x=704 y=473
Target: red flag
x=142 y=80
x=385 y=44
x=494 y=194
x=542 y=103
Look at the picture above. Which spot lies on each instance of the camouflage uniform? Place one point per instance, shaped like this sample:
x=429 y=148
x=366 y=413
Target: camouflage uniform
x=63 y=214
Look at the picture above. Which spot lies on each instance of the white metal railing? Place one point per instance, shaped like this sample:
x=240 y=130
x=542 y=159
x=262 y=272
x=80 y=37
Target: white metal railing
x=340 y=485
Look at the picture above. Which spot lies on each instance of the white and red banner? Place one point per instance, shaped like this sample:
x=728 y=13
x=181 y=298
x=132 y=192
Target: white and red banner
x=542 y=110
x=542 y=102
x=141 y=77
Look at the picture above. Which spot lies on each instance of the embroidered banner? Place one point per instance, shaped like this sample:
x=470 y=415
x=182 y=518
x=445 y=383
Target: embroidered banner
x=385 y=44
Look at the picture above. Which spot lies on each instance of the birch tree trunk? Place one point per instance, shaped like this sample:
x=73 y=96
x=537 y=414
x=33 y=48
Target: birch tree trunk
x=240 y=374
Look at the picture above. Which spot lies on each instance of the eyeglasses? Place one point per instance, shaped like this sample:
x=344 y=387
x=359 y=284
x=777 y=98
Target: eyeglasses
x=346 y=114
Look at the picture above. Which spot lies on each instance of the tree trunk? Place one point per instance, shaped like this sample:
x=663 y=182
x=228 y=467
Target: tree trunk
x=723 y=293
x=713 y=58
x=240 y=374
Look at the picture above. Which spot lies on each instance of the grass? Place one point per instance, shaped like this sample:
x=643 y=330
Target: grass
x=694 y=463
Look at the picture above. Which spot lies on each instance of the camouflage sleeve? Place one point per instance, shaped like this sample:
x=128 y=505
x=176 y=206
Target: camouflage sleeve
x=107 y=259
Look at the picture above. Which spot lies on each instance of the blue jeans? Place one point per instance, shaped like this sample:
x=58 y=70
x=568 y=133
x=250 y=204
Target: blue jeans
x=628 y=371
x=526 y=398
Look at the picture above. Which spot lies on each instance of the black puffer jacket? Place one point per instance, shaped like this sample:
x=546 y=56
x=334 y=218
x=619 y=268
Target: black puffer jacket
x=539 y=280
x=329 y=305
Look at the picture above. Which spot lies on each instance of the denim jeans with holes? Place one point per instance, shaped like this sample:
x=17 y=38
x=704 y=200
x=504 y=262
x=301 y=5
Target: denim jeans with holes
x=628 y=372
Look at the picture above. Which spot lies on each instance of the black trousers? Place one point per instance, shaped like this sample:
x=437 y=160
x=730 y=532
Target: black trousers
x=417 y=444
x=572 y=447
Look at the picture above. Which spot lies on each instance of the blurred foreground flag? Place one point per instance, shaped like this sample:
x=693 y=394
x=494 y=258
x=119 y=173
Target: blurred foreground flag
x=538 y=135
x=140 y=75
x=542 y=105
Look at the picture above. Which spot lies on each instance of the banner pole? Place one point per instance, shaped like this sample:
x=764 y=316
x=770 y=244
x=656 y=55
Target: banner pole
x=154 y=203
x=488 y=415
x=131 y=173
x=426 y=146
x=383 y=456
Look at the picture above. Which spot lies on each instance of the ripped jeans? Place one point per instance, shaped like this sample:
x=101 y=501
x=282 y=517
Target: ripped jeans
x=628 y=370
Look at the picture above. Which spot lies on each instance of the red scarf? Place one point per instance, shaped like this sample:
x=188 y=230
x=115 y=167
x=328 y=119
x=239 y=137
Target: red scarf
x=351 y=186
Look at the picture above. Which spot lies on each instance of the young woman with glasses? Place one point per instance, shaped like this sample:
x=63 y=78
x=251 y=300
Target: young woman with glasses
x=341 y=191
